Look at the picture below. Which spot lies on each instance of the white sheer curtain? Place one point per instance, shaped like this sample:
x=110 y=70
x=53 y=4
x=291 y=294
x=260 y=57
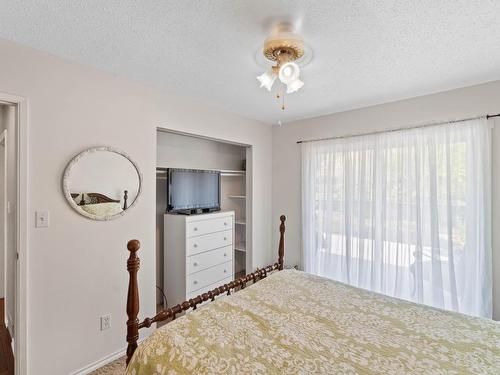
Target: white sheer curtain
x=404 y=213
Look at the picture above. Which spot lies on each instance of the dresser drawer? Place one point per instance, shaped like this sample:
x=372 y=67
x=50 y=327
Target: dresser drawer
x=218 y=224
x=208 y=288
x=209 y=276
x=207 y=242
x=199 y=262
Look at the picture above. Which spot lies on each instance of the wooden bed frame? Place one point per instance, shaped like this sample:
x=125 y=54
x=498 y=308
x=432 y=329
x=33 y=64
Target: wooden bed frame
x=96 y=198
x=133 y=262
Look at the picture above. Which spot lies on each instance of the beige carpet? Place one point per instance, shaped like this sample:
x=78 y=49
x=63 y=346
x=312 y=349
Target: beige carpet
x=116 y=367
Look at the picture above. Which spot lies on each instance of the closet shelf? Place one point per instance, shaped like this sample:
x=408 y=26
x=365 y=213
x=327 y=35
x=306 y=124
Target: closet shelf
x=240 y=247
x=232 y=173
x=240 y=222
x=237 y=196
x=223 y=172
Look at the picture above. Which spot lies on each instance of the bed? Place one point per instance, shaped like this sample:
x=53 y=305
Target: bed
x=291 y=322
x=100 y=205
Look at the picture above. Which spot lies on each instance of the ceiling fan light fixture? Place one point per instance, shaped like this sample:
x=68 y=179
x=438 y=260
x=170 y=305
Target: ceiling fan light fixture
x=267 y=80
x=284 y=51
x=294 y=86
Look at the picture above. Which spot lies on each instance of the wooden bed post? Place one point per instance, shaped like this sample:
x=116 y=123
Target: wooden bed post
x=125 y=199
x=133 y=263
x=281 y=248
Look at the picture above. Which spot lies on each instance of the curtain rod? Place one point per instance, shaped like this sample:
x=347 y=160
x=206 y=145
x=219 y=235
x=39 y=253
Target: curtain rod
x=394 y=130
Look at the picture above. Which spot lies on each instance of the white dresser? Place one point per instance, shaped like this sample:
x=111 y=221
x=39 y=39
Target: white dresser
x=198 y=254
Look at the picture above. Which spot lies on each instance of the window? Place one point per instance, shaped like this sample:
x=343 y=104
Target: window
x=404 y=213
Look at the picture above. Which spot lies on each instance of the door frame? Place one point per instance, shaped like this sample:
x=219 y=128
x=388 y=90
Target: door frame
x=22 y=240
x=3 y=139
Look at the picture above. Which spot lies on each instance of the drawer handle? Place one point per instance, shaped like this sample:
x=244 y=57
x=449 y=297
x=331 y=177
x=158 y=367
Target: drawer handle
x=195 y=229
x=225 y=254
x=225 y=238
x=195 y=264
x=225 y=223
x=195 y=282
x=225 y=271
x=195 y=245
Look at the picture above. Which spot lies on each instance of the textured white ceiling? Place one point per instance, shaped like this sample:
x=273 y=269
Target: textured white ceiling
x=365 y=52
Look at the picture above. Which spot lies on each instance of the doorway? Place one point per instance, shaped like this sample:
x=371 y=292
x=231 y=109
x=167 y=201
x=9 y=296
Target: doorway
x=8 y=235
x=14 y=116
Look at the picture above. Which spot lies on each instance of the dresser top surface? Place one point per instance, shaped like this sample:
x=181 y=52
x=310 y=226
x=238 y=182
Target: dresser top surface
x=200 y=217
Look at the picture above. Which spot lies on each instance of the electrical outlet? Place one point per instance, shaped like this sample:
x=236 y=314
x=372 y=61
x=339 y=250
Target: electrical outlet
x=105 y=322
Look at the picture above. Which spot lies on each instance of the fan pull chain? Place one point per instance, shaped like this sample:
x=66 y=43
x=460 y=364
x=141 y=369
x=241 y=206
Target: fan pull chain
x=282 y=96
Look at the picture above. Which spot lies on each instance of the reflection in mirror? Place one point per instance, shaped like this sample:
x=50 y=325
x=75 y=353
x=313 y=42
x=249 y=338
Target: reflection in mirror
x=102 y=183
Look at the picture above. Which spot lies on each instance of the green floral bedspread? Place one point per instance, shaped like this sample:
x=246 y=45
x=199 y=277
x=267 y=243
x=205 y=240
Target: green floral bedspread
x=296 y=323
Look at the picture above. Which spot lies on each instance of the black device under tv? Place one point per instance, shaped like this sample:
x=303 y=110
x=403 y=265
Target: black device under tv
x=192 y=191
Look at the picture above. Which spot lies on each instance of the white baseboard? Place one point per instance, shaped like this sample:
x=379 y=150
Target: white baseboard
x=101 y=362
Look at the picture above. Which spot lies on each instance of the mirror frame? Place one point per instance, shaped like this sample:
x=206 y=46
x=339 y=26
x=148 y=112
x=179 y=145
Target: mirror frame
x=72 y=164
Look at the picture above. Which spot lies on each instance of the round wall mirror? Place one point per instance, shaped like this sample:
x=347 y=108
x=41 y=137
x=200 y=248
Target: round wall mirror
x=102 y=183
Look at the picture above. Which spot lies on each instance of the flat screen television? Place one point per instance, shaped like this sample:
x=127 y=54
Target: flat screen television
x=192 y=191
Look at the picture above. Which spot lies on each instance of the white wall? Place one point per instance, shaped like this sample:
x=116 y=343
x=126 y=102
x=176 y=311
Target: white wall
x=456 y=104
x=182 y=151
x=76 y=267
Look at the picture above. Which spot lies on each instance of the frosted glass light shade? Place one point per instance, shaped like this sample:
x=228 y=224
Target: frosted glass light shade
x=267 y=80
x=294 y=86
x=289 y=72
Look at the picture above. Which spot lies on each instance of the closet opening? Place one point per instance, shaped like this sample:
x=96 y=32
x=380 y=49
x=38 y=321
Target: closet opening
x=199 y=251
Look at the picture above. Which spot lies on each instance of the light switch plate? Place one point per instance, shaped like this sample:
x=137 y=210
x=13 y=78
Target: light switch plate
x=42 y=219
